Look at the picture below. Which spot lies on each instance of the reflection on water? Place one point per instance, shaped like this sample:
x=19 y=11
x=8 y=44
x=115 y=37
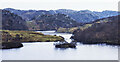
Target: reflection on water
x=47 y=51
x=65 y=35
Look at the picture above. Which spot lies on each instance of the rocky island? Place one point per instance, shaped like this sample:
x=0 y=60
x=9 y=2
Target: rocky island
x=65 y=45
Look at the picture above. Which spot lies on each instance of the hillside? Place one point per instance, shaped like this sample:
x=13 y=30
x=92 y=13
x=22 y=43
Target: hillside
x=52 y=22
x=11 y=21
x=103 y=32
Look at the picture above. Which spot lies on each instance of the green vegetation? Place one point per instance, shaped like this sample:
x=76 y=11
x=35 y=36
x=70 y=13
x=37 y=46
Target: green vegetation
x=14 y=39
x=85 y=26
x=71 y=30
x=28 y=36
x=67 y=30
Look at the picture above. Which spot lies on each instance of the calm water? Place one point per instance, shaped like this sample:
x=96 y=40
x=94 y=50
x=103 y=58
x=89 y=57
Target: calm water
x=47 y=51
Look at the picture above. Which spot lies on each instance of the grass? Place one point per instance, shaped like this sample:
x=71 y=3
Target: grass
x=85 y=26
x=28 y=36
x=71 y=30
x=67 y=30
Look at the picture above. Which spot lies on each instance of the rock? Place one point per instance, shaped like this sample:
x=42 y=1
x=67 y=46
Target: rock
x=65 y=45
x=9 y=45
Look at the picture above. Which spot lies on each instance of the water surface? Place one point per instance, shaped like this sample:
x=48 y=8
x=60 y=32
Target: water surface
x=47 y=51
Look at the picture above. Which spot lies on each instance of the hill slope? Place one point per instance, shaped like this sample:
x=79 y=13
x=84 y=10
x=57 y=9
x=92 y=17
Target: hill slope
x=11 y=21
x=52 y=22
x=104 y=32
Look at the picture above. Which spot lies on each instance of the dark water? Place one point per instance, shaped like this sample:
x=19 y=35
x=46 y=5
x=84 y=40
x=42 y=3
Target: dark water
x=47 y=51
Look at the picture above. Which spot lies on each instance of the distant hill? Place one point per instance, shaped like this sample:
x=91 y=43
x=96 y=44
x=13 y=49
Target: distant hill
x=100 y=32
x=28 y=14
x=83 y=16
x=11 y=21
x=52 y=22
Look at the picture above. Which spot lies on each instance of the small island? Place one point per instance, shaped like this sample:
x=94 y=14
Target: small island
x=65 y=45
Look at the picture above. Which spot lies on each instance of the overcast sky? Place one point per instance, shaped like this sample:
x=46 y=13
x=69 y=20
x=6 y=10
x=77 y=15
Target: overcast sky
x=94 y=5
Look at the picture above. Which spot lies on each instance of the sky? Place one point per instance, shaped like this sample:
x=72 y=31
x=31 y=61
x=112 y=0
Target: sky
x=93 y=5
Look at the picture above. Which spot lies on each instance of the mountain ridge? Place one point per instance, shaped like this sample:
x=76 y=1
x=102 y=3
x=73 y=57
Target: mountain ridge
x=82 y=16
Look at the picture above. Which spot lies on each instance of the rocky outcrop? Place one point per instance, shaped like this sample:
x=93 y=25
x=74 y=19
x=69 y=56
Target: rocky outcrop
x=66 y=45
x=10 y=45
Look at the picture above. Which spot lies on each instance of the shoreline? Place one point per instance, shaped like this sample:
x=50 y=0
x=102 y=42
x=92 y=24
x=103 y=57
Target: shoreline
x=88 y=43
x=20 y=43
